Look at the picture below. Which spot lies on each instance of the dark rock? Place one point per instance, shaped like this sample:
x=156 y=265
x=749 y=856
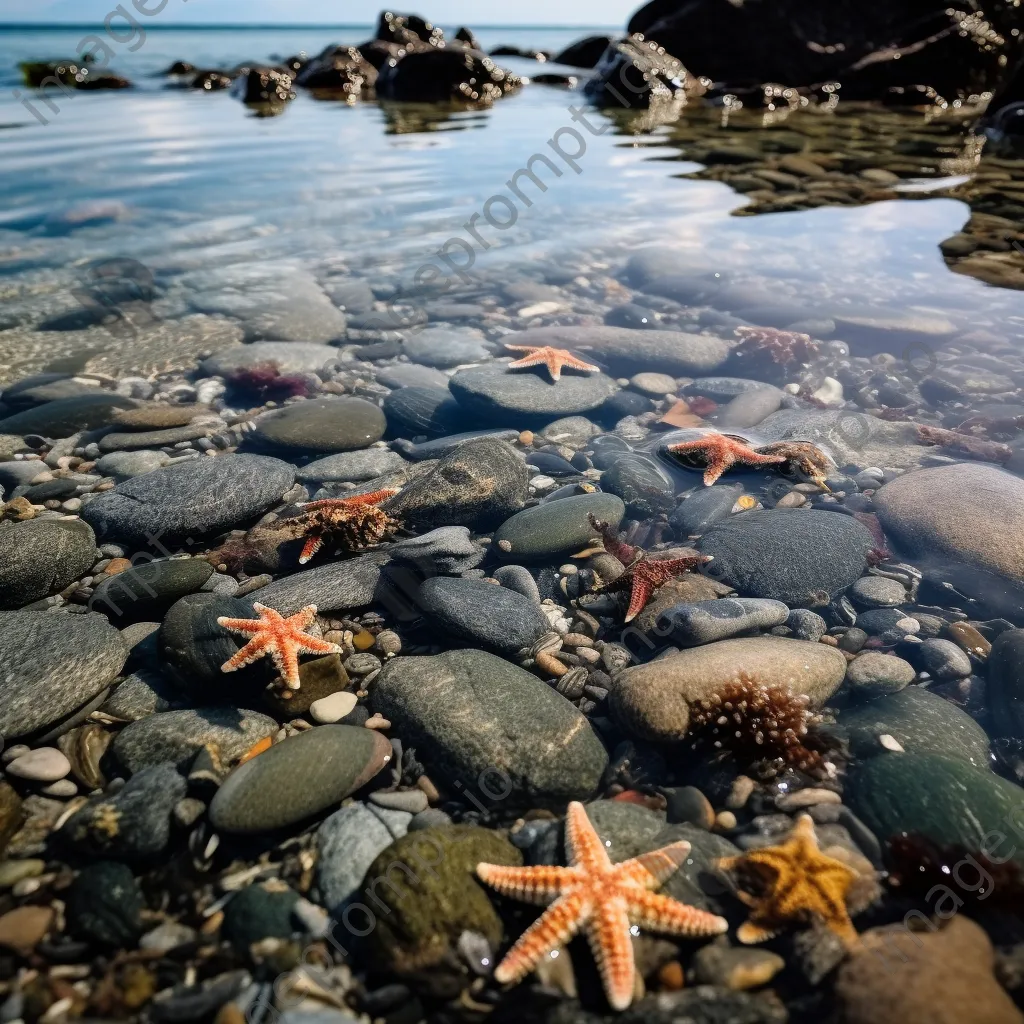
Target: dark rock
x=874 y=674
x=198 y=497
x=642 y=484
x=261 y=85
x=422 y=410
x=484 y=615
x=50 y=665
x=446 y=346
x=944 y=799
x=140 y=695
x=72 y=74
x=42 y=557
x=177 y=736
x=286 y=356
x=708 y=621
x=557 y=528
x=920 y=721
x=494 y=392
x=445 y=76
x=1006 y=684
x=67 y=416
x=298 y=778
x=134 y=823
x=145 y=592
x=803 y=558
x=131 y=441
x=12 y=817
x=635 y=73
x=259 y=912
x=584 y=53
x=105 y=905
x=806 y=625
x=352 y=467
x=943 y=659
x=343 y=72
x=703 y=508
x=322 y=425
x=479 y=485
x=527 y=741
x=442 y=446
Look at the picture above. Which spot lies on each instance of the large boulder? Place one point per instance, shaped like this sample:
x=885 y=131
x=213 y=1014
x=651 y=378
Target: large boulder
x=445 y=76
x=877 y=50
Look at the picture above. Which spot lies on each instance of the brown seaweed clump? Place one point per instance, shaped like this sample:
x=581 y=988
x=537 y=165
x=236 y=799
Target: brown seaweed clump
x=781 y=347
x=765 y=727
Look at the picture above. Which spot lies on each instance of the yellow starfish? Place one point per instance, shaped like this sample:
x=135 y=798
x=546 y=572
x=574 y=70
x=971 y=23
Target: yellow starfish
x=276 y=637
x=794 y=881
x=555 y=359
x=610 y=901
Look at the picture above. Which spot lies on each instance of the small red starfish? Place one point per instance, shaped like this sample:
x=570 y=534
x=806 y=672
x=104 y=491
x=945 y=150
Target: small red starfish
x=276 y=637
x=720 y=451
x=609 y=901
x=643 y=574
x=354 y=522
x=555 y=359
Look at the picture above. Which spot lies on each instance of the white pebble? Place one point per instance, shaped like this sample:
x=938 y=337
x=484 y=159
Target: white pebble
x=333 y=708
x=11 y=753
x=47 y=764
x=830 y=392
x=62 y=789
x=891 y=743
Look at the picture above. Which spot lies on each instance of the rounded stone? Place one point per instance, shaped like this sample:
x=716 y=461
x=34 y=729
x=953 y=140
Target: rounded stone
x=322 y=425
x=878 y=592
x=556 y=528
x=1006 y=684
x=42 y=557
x=146 y=591
x=353 y=467
x=874 y=674
x=708 y=621
x=44 y=764
x=298 y=778
x=943 y=659
x=653 y=701
x=445 y=346
x=287 y=356
x=803 y=558
x=333 y=708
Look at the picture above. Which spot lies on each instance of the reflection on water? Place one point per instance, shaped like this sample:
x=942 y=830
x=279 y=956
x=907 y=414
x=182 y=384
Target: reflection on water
x=854 y=207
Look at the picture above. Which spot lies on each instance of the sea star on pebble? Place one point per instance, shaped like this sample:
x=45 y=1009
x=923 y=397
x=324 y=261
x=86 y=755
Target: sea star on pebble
x=610 y=902
x=555 y=359
x=277 y=637
x=720 y=452
x=794 y=881
x=355 y=522
x=804 y=457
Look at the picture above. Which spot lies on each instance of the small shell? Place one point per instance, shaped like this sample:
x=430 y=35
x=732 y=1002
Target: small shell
x=572 y=684
x=547 y=644
x=389 y=642
x=550 y=665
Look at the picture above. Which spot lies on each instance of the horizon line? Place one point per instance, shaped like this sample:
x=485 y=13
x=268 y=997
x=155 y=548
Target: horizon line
x=228 y=25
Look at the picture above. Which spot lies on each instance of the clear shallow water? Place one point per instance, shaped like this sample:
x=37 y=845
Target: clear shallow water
x=185 y=183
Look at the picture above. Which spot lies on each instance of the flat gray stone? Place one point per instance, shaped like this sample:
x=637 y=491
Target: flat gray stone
x=41 y=557
x=352 y=467
x=708 y=621
x=322 y=425
x=556 y=528
x=874 y=674
x=287 y=356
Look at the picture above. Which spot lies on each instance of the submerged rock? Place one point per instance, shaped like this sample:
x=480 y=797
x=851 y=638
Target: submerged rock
x=41 y=557
x=560 y=527
x=445 y=76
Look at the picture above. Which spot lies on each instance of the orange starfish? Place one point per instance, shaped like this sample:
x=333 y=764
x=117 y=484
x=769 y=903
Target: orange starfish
x=609 y=901
x=279 y=638
x=555 y=359
x=643 y=574
x=354 y=522
x=794 y=880
x=720 y=451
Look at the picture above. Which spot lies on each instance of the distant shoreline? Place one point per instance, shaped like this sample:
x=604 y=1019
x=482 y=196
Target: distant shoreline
x=62 y=26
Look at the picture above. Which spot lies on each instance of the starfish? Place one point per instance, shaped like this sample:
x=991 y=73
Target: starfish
x=782 y=346
x=643 y=574
x=355 y=522
x=555 y=359
x=794 y=880
x=279 y=638
x=803 y=456
x=607 y=900
x=720 y=451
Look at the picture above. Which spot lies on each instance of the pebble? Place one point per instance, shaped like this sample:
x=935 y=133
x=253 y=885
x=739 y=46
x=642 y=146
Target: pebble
x=411 y=801
x=44 y=764
x=804 y=798
x=352 y=467
x=105 y=905
x=42 y=557
x=708 y=621
x=441 y=347
x=322 y=425
x=423 y=410
x=557 y=528
x=806 y=625
x=656 y=384
x=289 y=357
x=878 y=592
x=873 y=674
x=943 y=659
x=23 y=928
x=703 y=508
x=332 y=708
x=735 y=968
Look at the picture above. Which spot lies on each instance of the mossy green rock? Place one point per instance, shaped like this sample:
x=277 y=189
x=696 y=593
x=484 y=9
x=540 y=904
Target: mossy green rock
x=427 y=882
x=944 y=799
x=921 y=722
x=259 y=912
x=557 y=528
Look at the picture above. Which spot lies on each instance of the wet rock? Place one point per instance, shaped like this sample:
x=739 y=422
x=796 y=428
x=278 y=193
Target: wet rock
x=298 y=778
x=635 y=73
x=177 y=736
x=483 y=614
x=628 y=351
x=444 y=346
x=943 y=659
x=584 y=53
x=66 y=417
x=439 y=447
x=437 y=900
x=652 y=701
x=348 y=842
x=642 y=484
x=708 y=621
x=527 y=741
x=806 y=625
x=423 y=410
x=1006 y=684
x=878 y=592
x=803 y=558
x=12 y=816
x=105 y=905
x=324 y=681
x=50 y=665
x=944 y=799
x=921 y=722
x=944 y=975
x=557 y=528
x=449 y=75
x=145 y=592
x=703 y=509
x=352 y=467
x=479 y=485
x=198 y=497
x=288 y=356
x=124 y=465
x=322 y=425
x=736 y=968
x=495 y=392
x=44 y=764
x=42 y=557
x=134 y=823
x=260 y=912
x=140 y=695
x=873 y=674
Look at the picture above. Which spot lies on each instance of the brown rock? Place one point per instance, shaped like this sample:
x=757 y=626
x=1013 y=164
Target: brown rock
x=943 y=977
x=22 y=929
x=159 y=416
x=12 y=817
x=689 y=589
x=319 y=678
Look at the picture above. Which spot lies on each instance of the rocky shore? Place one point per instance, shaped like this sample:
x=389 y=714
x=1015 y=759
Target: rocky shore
x=296 y=637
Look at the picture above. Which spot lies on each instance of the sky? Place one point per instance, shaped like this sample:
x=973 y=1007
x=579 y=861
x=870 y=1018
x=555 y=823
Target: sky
x=325 y=12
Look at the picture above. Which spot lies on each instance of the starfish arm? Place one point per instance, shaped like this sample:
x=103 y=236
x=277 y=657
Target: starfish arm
x=583 y=845
x=658 y=913
x=255 y=649
x=716 y=467
x=310 y=548
x=625 y=553
x=372 y=498
x=286 y=657
x=608 y=933
x=658 y=866
x=311 y=645
x=554 y=928
x=539 y=885
x=639 y=594
x=750 y=933
x=248 y=626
